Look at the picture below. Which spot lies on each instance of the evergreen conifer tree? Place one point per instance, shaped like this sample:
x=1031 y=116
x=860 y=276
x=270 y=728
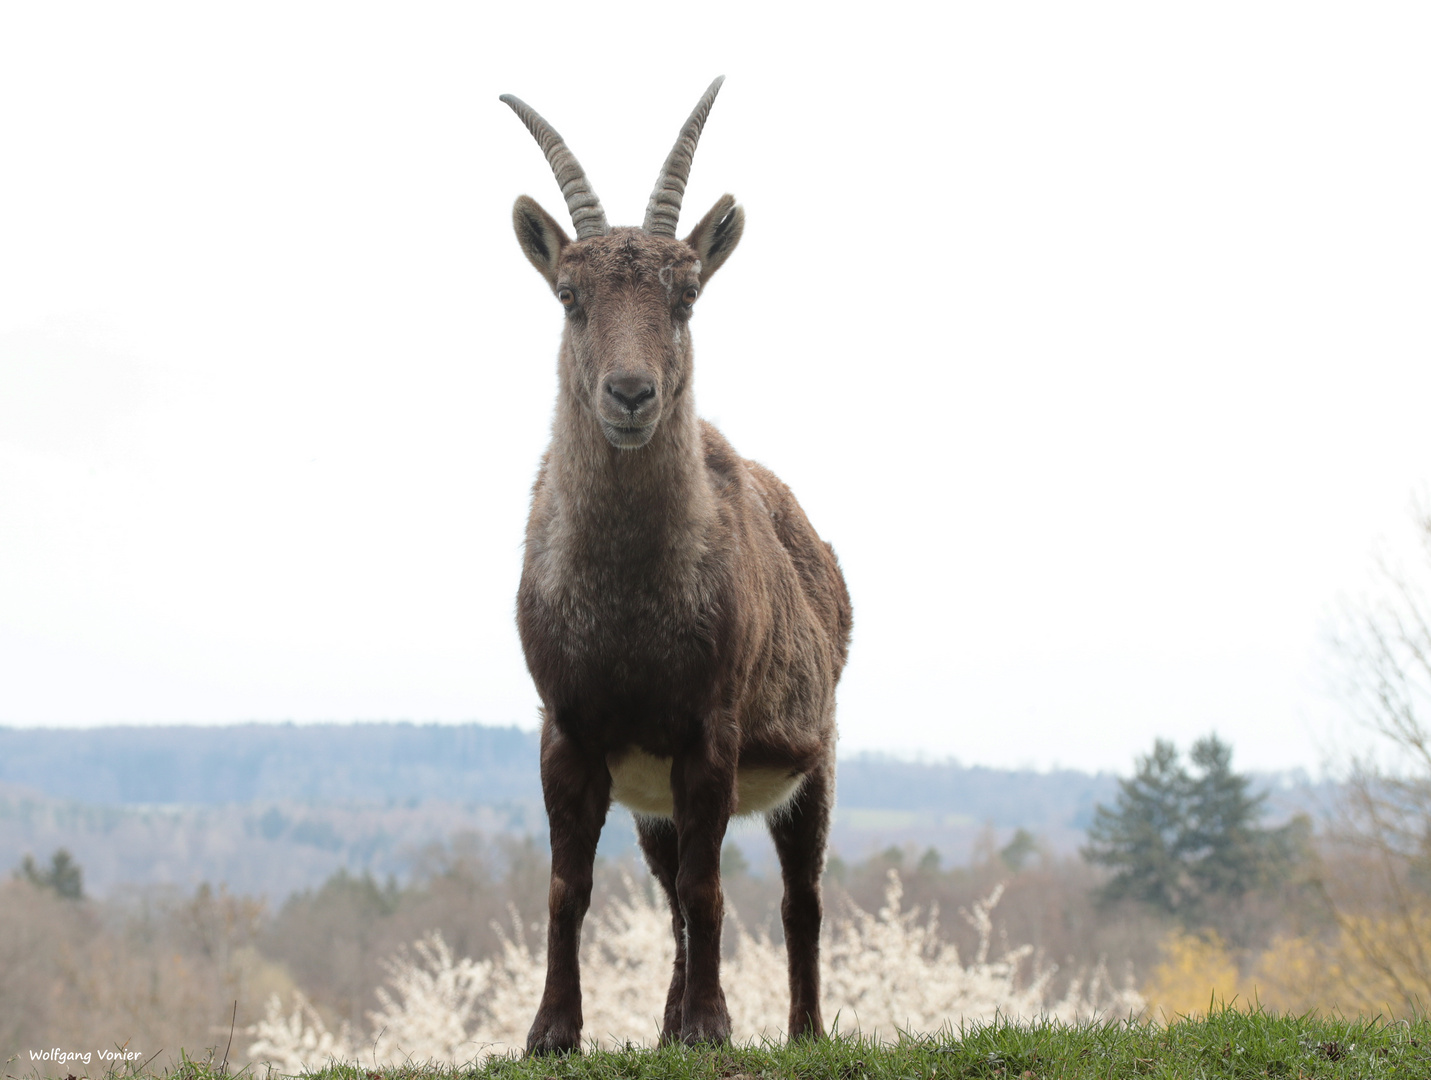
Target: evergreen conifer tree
x=1141 y=838
x=1223 y=847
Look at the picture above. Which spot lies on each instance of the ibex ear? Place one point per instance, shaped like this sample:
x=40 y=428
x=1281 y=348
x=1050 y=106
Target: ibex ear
x=716 y=235
x=540 y=236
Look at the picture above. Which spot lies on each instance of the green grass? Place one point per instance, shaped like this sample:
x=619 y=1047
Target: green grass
x=1229 y=1043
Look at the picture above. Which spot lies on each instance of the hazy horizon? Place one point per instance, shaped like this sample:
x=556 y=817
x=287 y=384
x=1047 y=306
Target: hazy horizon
x=846 y=754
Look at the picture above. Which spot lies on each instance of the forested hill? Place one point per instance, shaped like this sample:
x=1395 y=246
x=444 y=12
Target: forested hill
x=246 y=763
x=1001 y=797
x=474 y=763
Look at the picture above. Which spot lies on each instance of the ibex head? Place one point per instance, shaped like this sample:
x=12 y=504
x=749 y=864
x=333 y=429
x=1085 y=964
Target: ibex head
x=628 y=293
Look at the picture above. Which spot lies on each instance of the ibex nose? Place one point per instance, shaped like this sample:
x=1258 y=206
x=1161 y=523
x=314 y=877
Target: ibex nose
x=630 y=390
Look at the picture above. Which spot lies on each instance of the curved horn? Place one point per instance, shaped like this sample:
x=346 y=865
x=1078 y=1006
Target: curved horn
x=581 y=201
x=664 y=209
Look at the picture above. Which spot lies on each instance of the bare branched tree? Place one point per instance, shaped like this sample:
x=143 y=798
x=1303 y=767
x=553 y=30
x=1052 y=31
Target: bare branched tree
x=1384 y=818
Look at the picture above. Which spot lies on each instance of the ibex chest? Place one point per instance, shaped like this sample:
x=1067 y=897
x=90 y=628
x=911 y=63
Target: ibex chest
x=611 y=632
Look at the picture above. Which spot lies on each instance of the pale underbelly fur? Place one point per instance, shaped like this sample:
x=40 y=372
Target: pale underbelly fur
x=642 y=782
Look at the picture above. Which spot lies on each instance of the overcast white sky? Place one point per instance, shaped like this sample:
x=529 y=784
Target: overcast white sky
x=1094 y=336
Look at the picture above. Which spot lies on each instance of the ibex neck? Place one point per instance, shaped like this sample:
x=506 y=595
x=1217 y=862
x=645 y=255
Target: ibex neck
x=632 y=505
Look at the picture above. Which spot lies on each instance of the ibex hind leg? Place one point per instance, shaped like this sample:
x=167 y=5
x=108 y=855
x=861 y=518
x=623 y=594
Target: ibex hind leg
x=657 y=837
x=800 y=830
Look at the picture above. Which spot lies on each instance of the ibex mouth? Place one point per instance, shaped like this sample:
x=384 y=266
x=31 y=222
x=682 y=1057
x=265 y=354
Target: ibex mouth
x=627 y=438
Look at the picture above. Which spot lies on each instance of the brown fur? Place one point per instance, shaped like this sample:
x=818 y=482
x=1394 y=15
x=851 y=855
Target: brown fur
x=674 y=601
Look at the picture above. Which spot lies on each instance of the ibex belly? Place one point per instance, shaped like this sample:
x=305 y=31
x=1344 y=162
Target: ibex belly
x=642 y=782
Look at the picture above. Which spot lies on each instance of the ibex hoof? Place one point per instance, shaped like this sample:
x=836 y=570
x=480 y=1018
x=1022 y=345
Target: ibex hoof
x=706 y=1031
x=805 y=1025
x=553 y=1038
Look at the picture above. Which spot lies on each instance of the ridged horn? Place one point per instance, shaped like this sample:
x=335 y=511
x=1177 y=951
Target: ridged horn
x=581 y=201
x=664 y=209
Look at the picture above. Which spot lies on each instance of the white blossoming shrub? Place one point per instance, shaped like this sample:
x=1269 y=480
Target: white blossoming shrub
x=888 y=972
x=298 y=1041
x=882 y=974
x=435 y=1007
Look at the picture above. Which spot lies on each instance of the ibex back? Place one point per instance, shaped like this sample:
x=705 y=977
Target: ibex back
x=684 y=624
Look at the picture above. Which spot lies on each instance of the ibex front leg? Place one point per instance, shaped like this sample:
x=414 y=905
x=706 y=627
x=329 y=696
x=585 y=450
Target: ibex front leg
x=703 y=793
x=577 y=789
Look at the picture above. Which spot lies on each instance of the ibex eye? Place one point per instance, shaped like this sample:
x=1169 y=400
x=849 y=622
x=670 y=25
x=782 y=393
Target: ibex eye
x=689 y=296
x=566 y=296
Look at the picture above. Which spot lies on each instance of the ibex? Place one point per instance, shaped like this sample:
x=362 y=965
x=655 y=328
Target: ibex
x=683 y=623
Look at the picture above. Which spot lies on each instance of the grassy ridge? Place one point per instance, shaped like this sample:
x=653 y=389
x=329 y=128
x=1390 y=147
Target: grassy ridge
x=1228 y=1043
